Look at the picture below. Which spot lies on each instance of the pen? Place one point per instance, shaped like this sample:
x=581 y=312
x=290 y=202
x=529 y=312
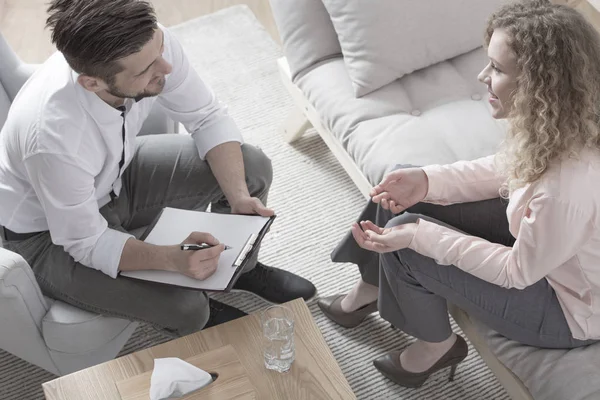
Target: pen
x=202 y=246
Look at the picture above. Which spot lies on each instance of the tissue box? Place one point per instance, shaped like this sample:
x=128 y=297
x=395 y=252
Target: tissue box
x=232 y=381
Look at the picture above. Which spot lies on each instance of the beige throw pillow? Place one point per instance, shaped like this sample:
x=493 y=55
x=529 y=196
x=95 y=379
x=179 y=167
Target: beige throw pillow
x=383 y=40
x=306 y=32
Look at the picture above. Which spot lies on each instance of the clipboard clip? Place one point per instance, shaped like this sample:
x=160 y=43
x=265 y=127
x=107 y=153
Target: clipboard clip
x=245 y=250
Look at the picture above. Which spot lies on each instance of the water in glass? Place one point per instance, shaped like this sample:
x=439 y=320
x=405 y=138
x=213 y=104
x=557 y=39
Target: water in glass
x=278 y=329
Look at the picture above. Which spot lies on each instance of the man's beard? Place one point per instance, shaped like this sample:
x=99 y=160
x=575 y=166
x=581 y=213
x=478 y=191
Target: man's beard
x=115 y=91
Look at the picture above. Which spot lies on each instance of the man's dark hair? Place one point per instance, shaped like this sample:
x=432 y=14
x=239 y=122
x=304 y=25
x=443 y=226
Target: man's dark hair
x=94 y=34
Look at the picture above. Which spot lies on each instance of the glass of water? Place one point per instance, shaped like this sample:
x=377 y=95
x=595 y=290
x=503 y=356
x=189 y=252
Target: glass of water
x=278 y=338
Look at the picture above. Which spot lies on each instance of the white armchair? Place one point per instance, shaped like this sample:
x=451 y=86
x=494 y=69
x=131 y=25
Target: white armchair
x=51 y=334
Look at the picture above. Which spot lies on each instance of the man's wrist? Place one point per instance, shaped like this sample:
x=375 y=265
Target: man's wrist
x=238 y=197
x=170 y=255
x=138 y=255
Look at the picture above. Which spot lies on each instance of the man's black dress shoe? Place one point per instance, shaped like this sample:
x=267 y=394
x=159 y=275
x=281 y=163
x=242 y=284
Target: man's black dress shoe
x=275 y=285
x=221 y=313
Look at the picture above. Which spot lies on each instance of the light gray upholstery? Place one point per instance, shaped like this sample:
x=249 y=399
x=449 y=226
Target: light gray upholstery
x=435 y=115
x=414 y=120
x=548 y=374
x=75 y=337
x=4 y=105
x=13 y=72
x=307 y=33
x=51 y=334
x=87 y=331
x=22 y=308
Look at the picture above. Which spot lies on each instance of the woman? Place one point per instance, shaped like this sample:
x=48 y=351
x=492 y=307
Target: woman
x=529 y=268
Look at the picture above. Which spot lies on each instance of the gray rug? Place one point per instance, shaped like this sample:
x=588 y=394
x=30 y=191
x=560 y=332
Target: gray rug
x=315 y=202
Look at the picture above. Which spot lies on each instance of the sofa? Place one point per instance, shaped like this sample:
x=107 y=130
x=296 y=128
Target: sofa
x=387 y=82
x=51 y=334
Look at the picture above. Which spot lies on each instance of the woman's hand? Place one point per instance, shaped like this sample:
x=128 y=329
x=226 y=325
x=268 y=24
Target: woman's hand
x=401 y=189
x=380 y=240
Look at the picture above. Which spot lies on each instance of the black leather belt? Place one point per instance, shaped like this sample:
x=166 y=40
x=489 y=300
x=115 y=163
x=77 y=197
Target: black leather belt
x=11 y=236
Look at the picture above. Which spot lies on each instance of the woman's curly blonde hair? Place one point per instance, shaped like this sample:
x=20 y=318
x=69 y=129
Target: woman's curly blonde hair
x=556 y=106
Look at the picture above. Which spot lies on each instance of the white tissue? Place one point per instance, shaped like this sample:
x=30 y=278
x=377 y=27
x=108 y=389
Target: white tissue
x=173 y=378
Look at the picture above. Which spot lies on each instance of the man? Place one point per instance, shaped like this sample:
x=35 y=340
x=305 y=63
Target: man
x=75 y=179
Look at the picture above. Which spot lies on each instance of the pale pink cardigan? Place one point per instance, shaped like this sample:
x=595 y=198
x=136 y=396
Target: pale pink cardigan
x=554 y=221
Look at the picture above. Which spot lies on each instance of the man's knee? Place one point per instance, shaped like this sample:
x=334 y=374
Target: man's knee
x=259 y=170
x=189 y=315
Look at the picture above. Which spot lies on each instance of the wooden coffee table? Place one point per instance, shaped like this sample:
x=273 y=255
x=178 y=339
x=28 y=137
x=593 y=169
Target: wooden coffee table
x=314 y=375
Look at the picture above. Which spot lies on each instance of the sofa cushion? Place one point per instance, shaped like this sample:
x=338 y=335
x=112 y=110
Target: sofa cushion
x=306 y=31
x=383 y=40
x=440 y=114
x=68 y=329
x=548 y=374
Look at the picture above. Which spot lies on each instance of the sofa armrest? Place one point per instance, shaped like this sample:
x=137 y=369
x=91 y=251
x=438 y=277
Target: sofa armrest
x=17 y=281
x=13 y=72
x=71 y=330
x=22 y=308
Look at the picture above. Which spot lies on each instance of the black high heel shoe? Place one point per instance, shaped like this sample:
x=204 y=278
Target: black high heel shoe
x=389 y=365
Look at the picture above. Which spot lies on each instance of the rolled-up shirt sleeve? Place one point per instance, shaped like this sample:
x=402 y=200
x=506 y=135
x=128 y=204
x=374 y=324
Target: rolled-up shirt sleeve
x=187 y=99
x=463 y=181
x=551 y=233
x=67 y=194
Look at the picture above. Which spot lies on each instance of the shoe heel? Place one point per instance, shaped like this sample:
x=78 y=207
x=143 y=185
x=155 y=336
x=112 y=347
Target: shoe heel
x=452 y=372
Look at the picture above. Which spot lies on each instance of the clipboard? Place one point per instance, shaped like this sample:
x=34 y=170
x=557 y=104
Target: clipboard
x=172 y=225
x=247 y=252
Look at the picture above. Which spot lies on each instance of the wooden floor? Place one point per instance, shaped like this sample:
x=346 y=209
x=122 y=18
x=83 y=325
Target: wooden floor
x=22 y=21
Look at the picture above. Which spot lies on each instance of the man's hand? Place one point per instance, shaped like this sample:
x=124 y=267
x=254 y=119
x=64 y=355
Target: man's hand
x=227 y=164
x=199 y=264
x=251 y=206
x=380 y=240
x=401 y=189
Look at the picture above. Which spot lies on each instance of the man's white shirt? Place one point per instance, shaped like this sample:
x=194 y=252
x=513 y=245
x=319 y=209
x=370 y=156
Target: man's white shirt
x=61 y=145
